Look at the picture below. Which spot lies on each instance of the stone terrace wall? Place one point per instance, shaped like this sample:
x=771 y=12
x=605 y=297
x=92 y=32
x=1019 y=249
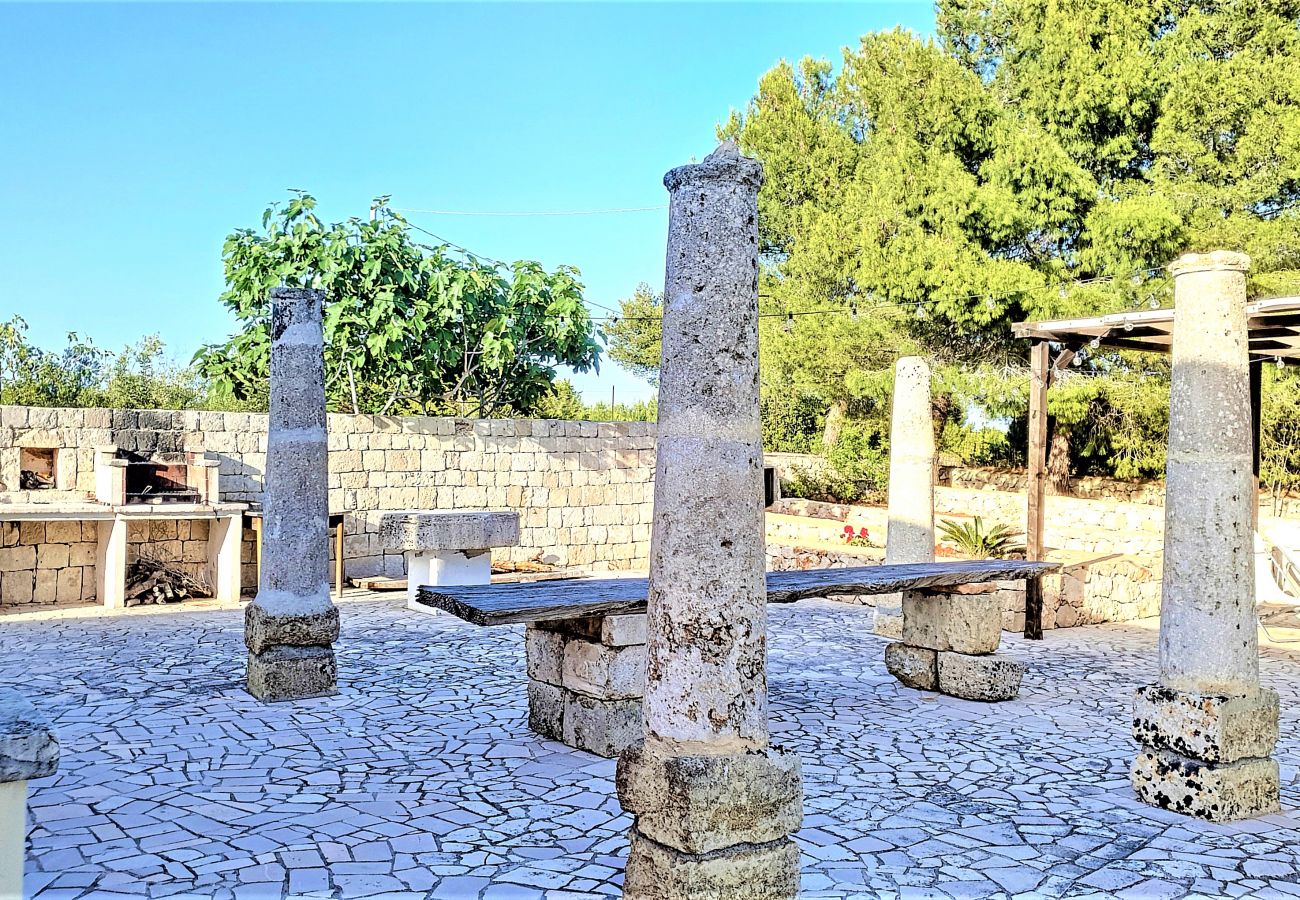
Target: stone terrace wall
x=583 y=490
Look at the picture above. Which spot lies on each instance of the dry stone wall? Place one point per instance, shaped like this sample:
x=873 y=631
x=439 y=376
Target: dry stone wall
x=583 y=490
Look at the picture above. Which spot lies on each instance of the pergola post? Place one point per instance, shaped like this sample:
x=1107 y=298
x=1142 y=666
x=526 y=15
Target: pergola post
x=1208 y=728
x=1039 y=376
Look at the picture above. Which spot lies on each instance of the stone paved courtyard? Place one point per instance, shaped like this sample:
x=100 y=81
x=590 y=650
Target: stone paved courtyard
x=421 y=779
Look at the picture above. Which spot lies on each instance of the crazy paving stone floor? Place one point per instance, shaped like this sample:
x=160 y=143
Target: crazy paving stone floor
x=421 y=778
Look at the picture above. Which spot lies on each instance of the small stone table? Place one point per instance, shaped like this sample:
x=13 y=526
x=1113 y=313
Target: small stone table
x=28 y=749
x=949 y=638
x=447 y=548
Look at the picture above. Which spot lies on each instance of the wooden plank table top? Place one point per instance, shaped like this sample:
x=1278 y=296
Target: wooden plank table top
x=548 y=601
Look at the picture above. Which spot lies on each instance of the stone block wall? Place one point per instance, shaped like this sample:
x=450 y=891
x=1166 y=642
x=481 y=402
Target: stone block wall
x=583 y=490
x=47 y=562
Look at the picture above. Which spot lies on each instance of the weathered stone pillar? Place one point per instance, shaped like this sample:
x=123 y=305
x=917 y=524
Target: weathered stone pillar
x=1207 y=728
x=714 y=803
x=28 y=749
x=910 y=535
x=290 y=626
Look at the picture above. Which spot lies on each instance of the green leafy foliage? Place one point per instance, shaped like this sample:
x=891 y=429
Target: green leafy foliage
x=633 y=338
x=81 y=374
x=408 y=328
x=978 y=541
x=566 y=403
x=947 y=189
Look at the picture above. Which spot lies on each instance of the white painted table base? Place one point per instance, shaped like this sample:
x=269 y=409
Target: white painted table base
x=13 y=838
x=445 y=567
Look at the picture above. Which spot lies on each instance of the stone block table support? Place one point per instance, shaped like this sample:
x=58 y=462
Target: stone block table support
x=1207 y=729
x=586 y=679
x=909 y=537
x=949 y=640
x=714 y=804
x=291 y=625
x=447 y=548
x=28 y=749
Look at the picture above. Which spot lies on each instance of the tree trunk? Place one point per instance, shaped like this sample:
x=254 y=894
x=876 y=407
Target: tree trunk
x=1058 y=462
x=834 y=424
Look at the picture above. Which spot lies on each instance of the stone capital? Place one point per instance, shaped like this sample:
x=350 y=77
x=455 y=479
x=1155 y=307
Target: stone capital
x=725 y=164
x=1215 y=261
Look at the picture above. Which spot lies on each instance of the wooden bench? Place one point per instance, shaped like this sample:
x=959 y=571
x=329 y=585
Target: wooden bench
x=585 y=640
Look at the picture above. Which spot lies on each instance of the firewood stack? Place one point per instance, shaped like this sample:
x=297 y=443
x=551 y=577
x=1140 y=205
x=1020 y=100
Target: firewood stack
x=150 y=580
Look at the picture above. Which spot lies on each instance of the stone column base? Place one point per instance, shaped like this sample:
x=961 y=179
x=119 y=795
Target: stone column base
x=711 y=826
x=292 y=673
x=586 y=678
x=1221 y=792
x=750 y=872
x=290 y=655
x=987 y=678
x=1206 y=755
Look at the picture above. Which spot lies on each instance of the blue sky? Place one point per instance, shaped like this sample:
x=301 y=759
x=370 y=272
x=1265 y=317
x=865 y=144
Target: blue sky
x=135 y=137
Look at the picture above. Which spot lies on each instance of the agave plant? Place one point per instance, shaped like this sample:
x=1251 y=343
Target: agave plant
x=974 y=539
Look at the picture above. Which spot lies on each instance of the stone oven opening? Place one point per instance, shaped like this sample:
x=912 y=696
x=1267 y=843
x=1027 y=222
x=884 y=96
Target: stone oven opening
x=159 y=481
x=37 y=468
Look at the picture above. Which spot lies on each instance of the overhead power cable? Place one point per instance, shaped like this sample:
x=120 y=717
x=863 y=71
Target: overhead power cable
x=527 y=213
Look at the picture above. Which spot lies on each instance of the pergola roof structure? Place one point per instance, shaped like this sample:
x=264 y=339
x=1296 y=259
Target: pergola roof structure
x=1274 y=329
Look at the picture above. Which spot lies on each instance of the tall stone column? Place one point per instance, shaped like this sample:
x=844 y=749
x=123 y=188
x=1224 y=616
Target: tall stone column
x=714 y=803
x=910 y=535
x=291 y=625
x=1207 y=728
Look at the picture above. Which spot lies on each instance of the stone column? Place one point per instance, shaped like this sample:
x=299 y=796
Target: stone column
x=714 y=803
x=1207 y=728
x=910 y=535
x=28 y=749
x=290 y=626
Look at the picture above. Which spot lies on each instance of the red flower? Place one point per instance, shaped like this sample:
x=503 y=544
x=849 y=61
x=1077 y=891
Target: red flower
x=848 y=529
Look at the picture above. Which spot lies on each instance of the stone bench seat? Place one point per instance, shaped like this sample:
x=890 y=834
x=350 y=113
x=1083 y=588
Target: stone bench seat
x=447 y=547
x=585 y=640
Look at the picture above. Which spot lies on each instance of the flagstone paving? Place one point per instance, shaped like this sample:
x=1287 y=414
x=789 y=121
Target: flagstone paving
x=421 y=778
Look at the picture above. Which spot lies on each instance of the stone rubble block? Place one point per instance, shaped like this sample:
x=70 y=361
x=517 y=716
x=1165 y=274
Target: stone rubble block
x=264 y=628
x=987 y=678
x=623 y=631
x=916 y=667
x=605 y=673
x=1209 y=728
x=603 y=727
x=28 y=746
x=751 y=872
x=544 y=653
x=546 y=709
x=1220 y=793
x=292 y=673
x=952 y=622
x=701 y=804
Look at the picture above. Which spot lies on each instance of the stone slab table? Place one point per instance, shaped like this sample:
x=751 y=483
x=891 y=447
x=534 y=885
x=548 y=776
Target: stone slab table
x=447 y=548
x=28 y=749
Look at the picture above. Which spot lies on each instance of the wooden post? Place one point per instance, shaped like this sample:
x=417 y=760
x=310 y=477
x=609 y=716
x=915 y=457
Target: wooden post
x=1034 y=608
x=1036 y=486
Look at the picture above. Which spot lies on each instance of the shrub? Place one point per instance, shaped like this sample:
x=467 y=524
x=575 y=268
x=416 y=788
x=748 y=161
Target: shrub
x=997 y=541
